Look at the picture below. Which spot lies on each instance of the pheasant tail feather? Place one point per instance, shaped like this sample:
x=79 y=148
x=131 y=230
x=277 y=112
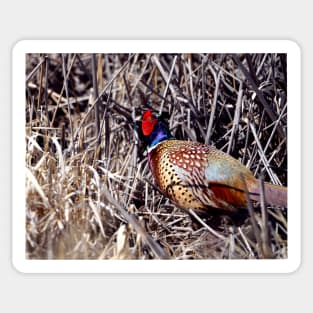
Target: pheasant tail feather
x=274 y=194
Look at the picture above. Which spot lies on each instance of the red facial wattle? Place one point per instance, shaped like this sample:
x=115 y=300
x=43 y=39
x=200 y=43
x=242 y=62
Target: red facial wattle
x=148 y=122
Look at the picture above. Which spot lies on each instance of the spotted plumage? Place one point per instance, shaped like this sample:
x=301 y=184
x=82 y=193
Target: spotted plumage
x=196 y=176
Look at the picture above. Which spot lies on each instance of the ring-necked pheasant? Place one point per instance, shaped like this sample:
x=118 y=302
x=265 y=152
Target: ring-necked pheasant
x=196 y=176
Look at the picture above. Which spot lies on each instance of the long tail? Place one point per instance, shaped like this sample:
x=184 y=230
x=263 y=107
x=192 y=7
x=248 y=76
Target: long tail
x=274 y=194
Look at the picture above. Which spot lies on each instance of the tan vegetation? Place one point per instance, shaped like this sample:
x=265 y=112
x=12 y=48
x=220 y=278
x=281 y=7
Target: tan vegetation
x=89 y=191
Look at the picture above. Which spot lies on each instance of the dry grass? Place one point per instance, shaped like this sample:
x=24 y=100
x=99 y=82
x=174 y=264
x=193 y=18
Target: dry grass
x=89 y=191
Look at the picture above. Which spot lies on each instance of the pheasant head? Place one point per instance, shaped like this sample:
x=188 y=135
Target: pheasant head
x=154 y=129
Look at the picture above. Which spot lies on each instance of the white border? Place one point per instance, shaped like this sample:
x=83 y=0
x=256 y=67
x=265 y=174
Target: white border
x=156 y=266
